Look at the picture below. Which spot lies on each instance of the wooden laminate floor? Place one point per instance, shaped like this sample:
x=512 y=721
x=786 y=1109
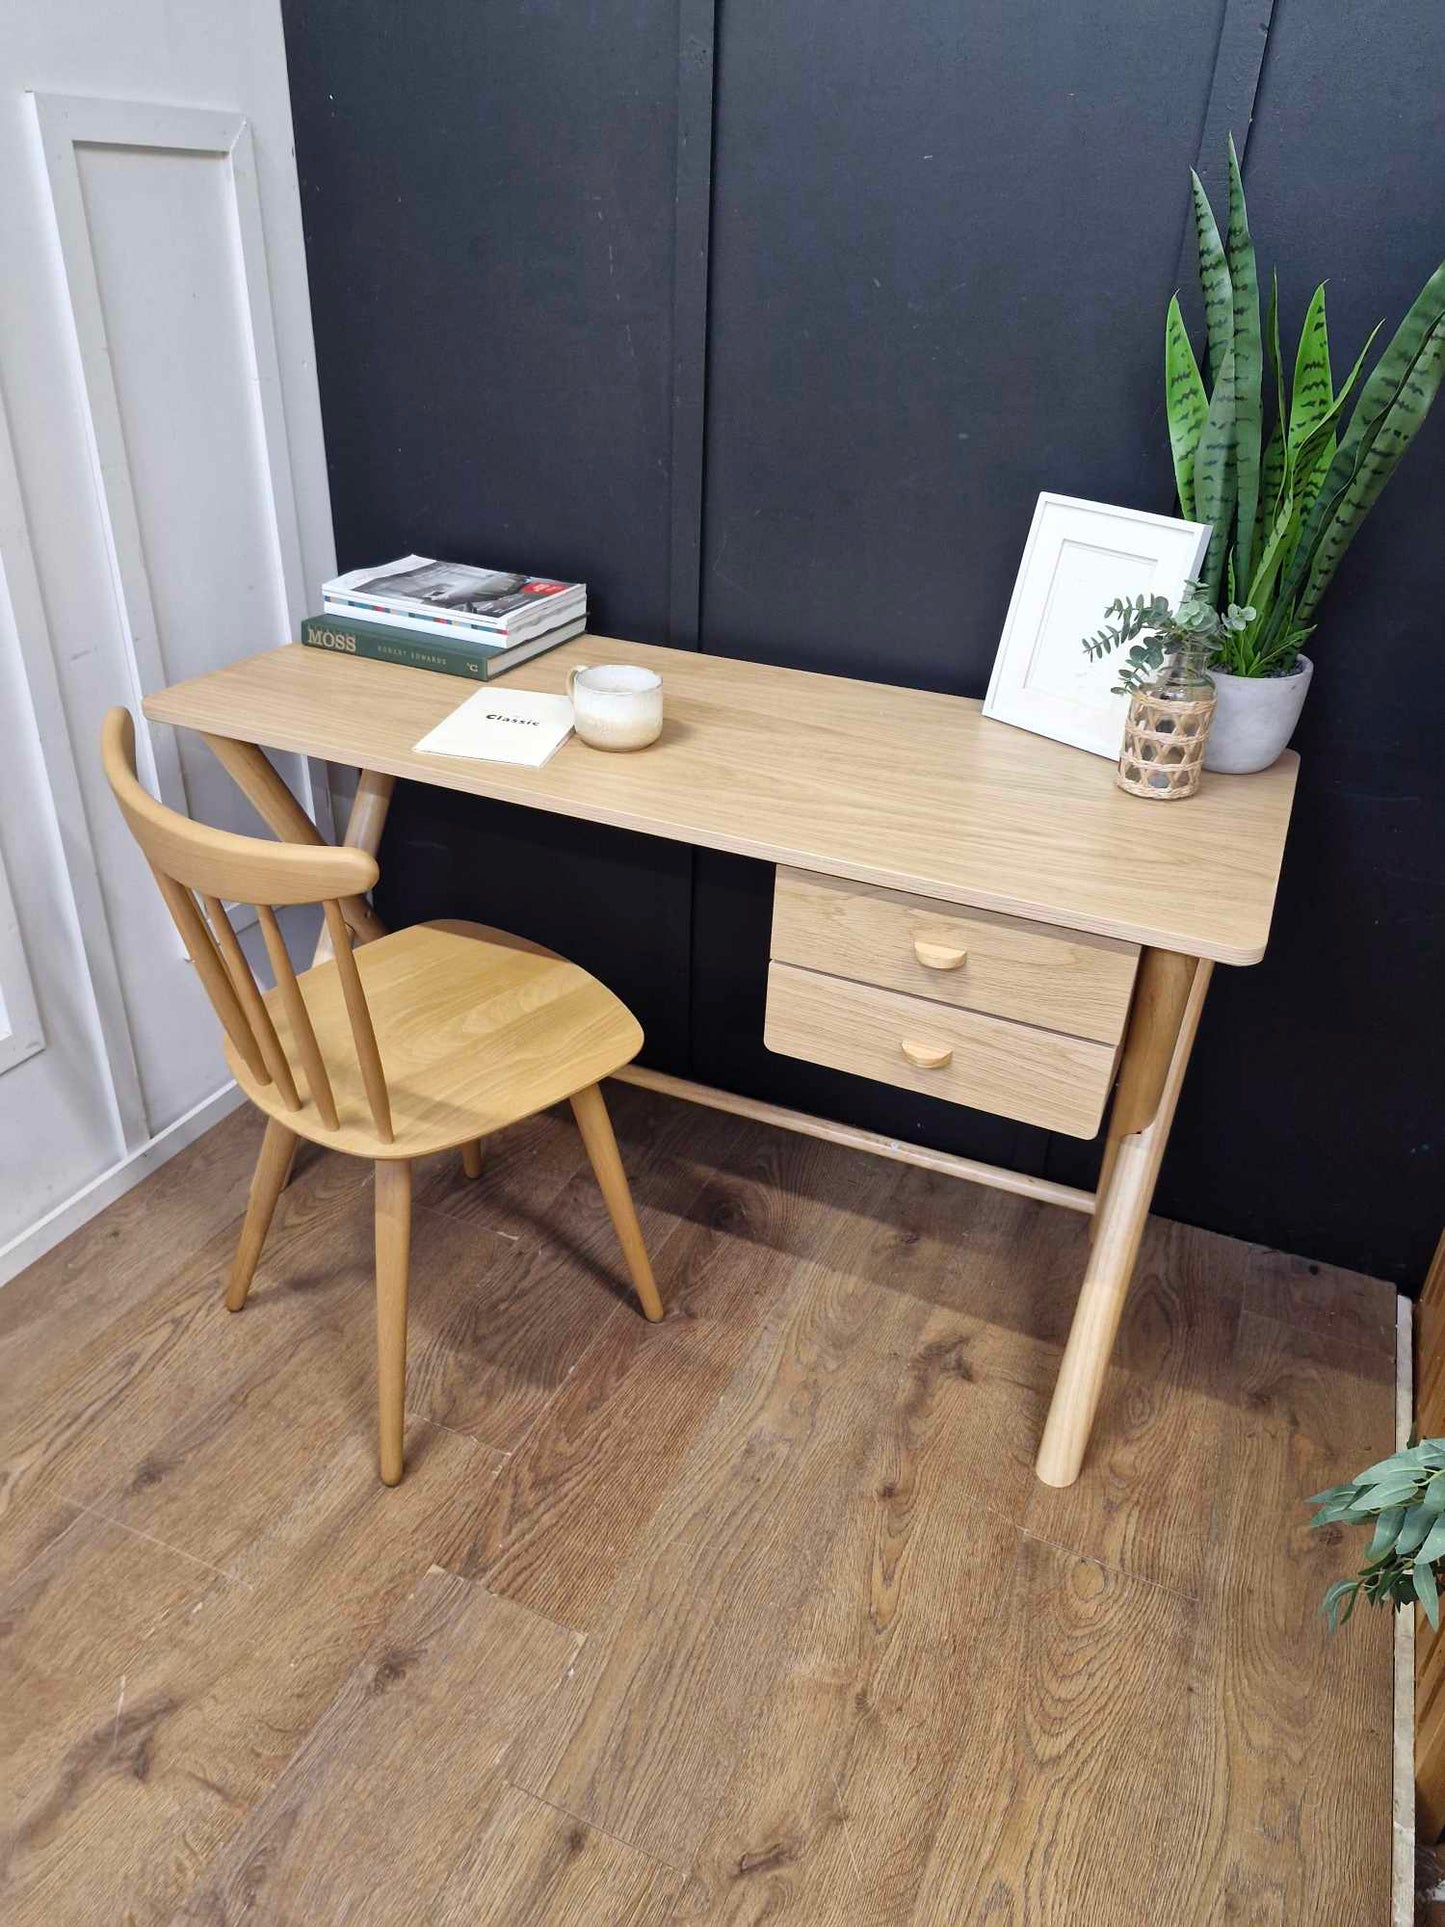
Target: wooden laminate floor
x=757 y=1615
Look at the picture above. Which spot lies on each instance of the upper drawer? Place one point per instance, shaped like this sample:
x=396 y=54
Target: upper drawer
x=1061 y=980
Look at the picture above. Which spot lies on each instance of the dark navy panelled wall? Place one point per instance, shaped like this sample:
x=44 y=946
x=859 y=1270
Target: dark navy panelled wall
x=771 y=322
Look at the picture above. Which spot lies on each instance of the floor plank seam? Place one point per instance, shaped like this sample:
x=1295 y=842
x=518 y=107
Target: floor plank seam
x=1382 y=1357
x=1119 y=1572
x=421 y=1207
x=605 y=1833
x=150 y=1538
x=414 y=1417
x=49 y=1546
x=516 y=1605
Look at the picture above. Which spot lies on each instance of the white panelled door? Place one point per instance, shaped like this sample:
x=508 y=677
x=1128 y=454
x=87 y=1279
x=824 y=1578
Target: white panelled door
x=163 y=510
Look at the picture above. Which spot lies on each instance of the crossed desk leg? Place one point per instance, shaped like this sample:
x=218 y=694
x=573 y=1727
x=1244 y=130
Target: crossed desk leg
x=253 y=774
x=1165 y=1016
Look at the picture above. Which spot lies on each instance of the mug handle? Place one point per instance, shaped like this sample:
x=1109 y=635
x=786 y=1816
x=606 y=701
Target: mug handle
x=572 y=674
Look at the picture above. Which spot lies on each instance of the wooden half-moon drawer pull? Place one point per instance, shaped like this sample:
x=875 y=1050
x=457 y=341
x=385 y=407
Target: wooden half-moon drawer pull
x=934 y=954
x=927 y=1057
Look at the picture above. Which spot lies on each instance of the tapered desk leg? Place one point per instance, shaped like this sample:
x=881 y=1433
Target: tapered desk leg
x=253 y=774
x=363 y=832
x=1162 y=1025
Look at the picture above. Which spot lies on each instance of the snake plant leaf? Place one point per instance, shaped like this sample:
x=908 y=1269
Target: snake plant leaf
x=1214 y=476
x=1271 y=472
x=1248 y=366
x=1379 y=396
x=1308 y=485
x=1214 y=279
x=1283 y=531
x=1186 y=402
x=1304 y=458
x=1427 y=1592
x=1376 y=462
x=1315 y=451
x=1314 y=389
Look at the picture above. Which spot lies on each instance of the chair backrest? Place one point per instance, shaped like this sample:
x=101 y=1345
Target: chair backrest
x=189 y=862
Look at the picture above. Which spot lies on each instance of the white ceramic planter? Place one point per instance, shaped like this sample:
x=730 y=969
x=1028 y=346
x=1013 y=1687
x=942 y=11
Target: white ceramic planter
x=1254 y=718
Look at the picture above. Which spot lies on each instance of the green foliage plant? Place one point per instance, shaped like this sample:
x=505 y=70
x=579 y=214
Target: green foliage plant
x=1153 y=633
x=1403 y=1497
x=1285 y=506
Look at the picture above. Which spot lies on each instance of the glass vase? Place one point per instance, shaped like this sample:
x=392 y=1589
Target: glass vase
x=1166 y=729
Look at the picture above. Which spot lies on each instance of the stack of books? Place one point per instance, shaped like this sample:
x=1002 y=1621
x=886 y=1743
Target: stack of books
x=446 y=616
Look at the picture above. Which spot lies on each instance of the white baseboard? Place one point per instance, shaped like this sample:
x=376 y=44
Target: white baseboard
x=48 y=1231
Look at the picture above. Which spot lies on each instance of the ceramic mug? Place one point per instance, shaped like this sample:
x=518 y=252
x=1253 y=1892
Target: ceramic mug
x=616 y=705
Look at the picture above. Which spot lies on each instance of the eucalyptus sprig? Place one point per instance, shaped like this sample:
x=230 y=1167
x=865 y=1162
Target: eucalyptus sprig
x=1196 y=629
x=1405 y=1496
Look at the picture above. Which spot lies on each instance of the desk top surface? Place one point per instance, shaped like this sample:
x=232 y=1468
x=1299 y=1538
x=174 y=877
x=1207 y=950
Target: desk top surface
x=900 y=787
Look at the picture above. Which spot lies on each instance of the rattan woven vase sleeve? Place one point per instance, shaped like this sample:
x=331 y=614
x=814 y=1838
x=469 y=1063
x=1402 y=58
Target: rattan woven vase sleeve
x=1163 y=753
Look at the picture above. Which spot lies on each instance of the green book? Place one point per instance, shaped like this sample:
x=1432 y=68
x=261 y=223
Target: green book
x=446 y=655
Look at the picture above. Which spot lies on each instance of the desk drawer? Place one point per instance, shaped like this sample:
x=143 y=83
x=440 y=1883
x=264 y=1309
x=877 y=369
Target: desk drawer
x=1042 y=1077
x=1061 y=980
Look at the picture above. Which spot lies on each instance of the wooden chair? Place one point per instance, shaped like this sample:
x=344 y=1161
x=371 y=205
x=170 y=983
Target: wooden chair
x=425 y=1040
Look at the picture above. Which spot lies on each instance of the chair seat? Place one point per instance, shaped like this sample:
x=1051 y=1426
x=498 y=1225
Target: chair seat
x=475 y=1028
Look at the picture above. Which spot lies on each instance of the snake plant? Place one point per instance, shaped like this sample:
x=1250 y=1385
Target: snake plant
x=1283 y=507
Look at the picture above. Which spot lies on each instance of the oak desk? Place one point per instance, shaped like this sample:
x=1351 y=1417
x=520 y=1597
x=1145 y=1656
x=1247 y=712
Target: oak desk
x=961 y=908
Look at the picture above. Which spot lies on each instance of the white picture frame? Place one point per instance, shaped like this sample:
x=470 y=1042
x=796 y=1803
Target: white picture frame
x=1078 y=558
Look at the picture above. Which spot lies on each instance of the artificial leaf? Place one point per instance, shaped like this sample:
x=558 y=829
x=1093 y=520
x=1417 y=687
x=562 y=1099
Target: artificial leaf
x=1386 y=1531
x=1338 y=1594
x=1399 y=1492
x=1413 y=1531
x=1433 y=1546
x=1397 y=1462
x=1427 y=1592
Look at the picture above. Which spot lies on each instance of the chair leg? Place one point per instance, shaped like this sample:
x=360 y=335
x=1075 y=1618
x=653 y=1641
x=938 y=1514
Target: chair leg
x=393 y=1258
x=472 y=1158
x=270 y=1175
x=596 y=1127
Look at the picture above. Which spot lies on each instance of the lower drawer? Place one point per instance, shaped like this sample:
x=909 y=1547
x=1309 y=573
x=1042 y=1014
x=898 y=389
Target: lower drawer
x=1042 y=1077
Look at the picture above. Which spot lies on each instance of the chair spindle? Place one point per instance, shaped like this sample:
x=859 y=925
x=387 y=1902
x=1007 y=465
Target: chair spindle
x=363 y=1032
x=212 y=972
x=244 y=984
x=298 y=1017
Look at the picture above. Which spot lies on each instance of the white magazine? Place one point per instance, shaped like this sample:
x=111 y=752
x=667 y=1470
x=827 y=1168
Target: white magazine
x=503 y=726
